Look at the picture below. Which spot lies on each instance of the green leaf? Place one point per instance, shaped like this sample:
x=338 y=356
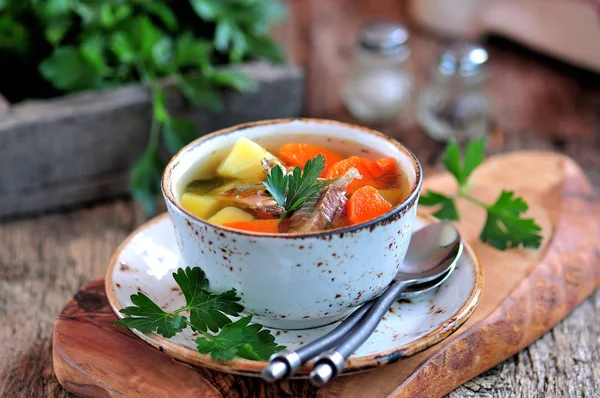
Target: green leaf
x=447 y=210
x=92 y=49
x=162 y=53
x=207 y=310
x=56 y=29
x=452 y=161
x=51 y=9
x=13 y=35
x=193 y=52
x=461 y=169
x=207 y=9
x=178 y=133
x=239 y=46
x=146 y=36
x=148 y=317
x=504 y=228
x=236 y=80
x=276 y=184
x=239 y=339
x=223 y=34
x=68 y=70
x=113 y=13
x=159 y=105
x=162 y=11
x=200 y=91
x=303 y=183
x=474 y=155
x=123 y=47
x=145 y=179
x=264 y=47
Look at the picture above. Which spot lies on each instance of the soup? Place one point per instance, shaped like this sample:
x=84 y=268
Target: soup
x=299 y=184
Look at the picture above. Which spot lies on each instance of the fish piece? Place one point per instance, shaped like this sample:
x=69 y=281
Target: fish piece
x=321 y=210
x=255 y=198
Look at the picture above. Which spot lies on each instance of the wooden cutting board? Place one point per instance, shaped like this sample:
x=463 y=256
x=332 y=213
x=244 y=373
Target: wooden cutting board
x=526 y=293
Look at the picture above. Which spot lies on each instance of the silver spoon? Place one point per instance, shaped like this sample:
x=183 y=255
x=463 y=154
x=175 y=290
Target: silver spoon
x=432 y=252
x=429 y=250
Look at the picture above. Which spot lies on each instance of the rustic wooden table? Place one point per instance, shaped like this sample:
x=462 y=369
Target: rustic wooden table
x=537 y=103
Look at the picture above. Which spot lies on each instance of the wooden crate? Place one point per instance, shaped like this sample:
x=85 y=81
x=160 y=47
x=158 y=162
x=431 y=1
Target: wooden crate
x=79 y=148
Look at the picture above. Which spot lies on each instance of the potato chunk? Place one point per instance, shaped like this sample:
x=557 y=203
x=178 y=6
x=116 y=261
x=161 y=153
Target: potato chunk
x=392 y=195
x=201 y=205
x=230 y=214
x=243 y=162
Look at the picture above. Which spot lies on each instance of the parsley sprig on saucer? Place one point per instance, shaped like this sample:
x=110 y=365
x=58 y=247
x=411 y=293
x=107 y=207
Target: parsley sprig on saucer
x=505 y=227
x=222 y=338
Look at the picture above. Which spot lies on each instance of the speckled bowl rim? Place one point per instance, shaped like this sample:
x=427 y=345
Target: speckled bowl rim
x=398 y=209
x=354 y=365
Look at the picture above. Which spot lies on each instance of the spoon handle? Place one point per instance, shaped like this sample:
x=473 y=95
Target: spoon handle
x=286 y=363
x=331 y=363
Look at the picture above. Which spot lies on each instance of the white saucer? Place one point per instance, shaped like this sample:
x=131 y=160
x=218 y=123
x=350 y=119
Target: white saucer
x=148 y=257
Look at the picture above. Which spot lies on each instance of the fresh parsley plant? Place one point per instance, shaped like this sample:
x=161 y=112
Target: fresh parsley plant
x=89 y=44
x=292 y=190
x=505 y=227
x=209 y=315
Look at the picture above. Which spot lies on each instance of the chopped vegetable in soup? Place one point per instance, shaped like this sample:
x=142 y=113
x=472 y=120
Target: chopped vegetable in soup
x=305 y=188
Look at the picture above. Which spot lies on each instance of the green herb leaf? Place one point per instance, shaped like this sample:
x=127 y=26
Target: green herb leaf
x=504 y=228
x=236 y=80
x=447 y=210
x=303 y=184
x=68 y=70
x=122 y=46
x=92 y=49
x=178 y=133
x=146 y=36
x=265 y=48
x=200 y=91
x=148 y=317
x=193 y=52
x=474 y=155
x=239 y=339
x=145 y=179
x=276 y=184
x=162 y=11
x=207 y=310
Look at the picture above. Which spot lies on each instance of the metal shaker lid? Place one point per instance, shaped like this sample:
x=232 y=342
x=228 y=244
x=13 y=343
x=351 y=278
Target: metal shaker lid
x=384 y=37
x=464 y=60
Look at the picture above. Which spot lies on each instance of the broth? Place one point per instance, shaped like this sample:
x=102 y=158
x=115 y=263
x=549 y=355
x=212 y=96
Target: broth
x=354 y=184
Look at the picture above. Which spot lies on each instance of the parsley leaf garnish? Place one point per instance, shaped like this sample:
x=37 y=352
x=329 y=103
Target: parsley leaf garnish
x=148 y=317
x=292 y=190
x=504 y=226
x=208 y=313
x=241 y=340
x=207 y=310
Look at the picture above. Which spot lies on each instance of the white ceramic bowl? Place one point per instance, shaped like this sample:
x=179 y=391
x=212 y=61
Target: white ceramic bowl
x=293 y=281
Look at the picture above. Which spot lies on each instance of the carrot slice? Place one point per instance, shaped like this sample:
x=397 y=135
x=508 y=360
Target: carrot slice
x=361 y=164
x=382 y=167
x=366 y=204
x=297 y=154
x=268 y=226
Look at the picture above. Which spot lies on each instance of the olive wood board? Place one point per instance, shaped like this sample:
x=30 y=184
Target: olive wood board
x=526 y=293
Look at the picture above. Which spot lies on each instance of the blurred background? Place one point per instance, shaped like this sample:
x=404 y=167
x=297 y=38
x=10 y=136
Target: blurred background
x=97 y=95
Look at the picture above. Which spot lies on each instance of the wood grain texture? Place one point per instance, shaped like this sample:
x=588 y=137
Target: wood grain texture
x=80 y=147
x=537 y=103
x=526 y=293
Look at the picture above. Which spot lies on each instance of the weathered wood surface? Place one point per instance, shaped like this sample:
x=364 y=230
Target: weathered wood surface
x=538 y=103
x=79 y=148
x=526 y=293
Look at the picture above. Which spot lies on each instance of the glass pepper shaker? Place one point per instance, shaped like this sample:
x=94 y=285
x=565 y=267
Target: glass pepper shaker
x=454 y=104
x=379 y=85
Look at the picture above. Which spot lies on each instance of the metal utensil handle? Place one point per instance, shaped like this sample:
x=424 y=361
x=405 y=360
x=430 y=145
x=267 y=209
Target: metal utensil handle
x=362 y=331
x=286 y=363
x=331 y=339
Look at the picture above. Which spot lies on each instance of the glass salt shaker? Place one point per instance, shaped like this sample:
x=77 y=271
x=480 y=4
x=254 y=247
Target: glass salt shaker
x=379 y=86
x=454 y=104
